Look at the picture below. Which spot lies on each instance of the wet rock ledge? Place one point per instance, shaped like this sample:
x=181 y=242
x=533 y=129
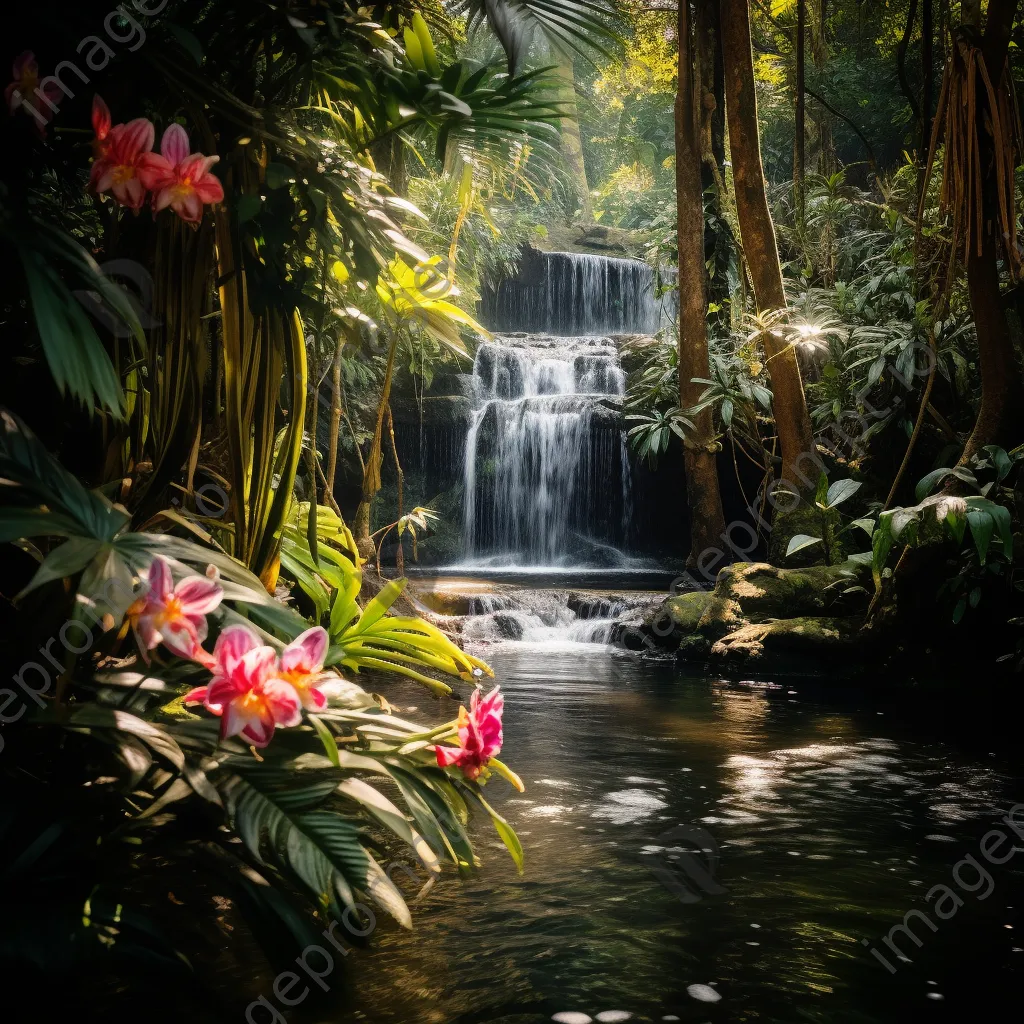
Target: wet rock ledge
x=758 y=616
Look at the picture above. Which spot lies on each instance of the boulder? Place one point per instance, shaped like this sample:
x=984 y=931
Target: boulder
x=756 y=591
x=804 y=643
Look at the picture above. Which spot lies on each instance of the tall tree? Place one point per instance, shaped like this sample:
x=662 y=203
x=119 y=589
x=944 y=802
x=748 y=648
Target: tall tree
x=1000 y=417
x=799 y=131
x=707 y=522
x=927 y=39
x=571 y=142
x=792 y=421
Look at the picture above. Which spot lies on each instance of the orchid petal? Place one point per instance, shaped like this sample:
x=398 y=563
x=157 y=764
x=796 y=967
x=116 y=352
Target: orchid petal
x=155 y=171
x=283 y=702
x=306 y=652
x=101 y=119
x=135 y=138
x=198 y=595
x=174 y=144
x=161 y=584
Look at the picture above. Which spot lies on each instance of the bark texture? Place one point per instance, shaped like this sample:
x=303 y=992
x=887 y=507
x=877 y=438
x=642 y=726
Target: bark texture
x=707 y=522
x=1001 y=416
x=572 y=143
x=792 y=421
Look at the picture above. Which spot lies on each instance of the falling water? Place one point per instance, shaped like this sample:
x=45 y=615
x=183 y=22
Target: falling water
x=546 y=478
x=571 y=294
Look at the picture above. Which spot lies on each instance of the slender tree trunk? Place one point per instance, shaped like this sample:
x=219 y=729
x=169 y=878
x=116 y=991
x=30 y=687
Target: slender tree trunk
x=901 y=64
x=799 y=132
x=718 y=79
x=332 y=450
x=792 y=421
x=707 y=54
x=572 y=143
x=823 y=159
x=1000 y=417
x=927 y=40
x=707 y=523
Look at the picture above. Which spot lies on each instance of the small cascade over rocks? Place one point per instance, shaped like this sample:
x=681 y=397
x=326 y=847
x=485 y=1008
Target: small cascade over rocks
x=547 y=478
x=544 y=615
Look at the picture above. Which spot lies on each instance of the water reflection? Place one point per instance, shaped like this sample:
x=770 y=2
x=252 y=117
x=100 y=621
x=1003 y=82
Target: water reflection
x=829 y=825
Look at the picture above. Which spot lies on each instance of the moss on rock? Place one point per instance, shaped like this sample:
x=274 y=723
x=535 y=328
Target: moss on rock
x=798 y=644
x=755 y=592
x=668 y=623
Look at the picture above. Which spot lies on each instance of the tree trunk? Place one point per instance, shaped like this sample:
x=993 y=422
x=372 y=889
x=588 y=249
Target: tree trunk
x=572 y=143
x=799 y=131
x=707 y=56
x=1000 y=416
x=707 y=523
x=927 y=38
x=901 y=64
x=792 y=421
x=823 y=155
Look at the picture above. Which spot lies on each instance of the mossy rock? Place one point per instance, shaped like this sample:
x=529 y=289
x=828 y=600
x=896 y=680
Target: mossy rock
x=755 y=592
x=675 y=618
x=806 y=643
x=785 y=526
x=694 y=648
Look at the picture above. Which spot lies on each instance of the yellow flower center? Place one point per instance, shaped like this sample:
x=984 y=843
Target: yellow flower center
x=123 y=173
x=170 y=611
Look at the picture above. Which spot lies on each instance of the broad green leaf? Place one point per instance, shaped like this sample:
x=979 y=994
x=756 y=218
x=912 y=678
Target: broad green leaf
x=801 y=541
x=840 y=491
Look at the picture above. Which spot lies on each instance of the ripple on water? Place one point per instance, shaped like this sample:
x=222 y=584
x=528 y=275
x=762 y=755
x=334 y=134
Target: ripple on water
x=626 y=805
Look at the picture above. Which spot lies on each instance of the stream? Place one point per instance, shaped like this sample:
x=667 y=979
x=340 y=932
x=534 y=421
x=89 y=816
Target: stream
x=695 y=850
x=825 y=825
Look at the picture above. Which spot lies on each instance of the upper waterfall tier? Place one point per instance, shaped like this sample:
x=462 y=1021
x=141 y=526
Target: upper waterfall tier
x=571 y=294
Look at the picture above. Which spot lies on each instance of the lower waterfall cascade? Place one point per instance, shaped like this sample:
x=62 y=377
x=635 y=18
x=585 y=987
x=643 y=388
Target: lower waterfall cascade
x=546 y=477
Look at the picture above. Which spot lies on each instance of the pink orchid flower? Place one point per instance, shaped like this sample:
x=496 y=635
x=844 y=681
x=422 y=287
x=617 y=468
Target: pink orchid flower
x=245 y=692
x=175 y=616
x=179 y=179
x=121 y=149
x=302 y=666
x=480 y=734
x=22 y=91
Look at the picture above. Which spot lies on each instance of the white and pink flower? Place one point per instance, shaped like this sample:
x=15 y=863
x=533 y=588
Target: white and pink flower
x=245 y=691
x=174 y=616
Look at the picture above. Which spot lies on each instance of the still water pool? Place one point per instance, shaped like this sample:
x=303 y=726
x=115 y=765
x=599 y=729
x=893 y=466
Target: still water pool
x=822 y=825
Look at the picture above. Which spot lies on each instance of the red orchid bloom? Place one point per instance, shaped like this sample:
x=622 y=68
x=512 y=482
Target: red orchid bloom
x=179 y=179
x=302 y=666
x=22 y=91
x=480 y=734
x=244 y=691
x=121 y=150
x=174 y=616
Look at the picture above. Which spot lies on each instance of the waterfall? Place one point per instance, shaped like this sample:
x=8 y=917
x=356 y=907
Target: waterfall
x=572 y=294
x=546 y=473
